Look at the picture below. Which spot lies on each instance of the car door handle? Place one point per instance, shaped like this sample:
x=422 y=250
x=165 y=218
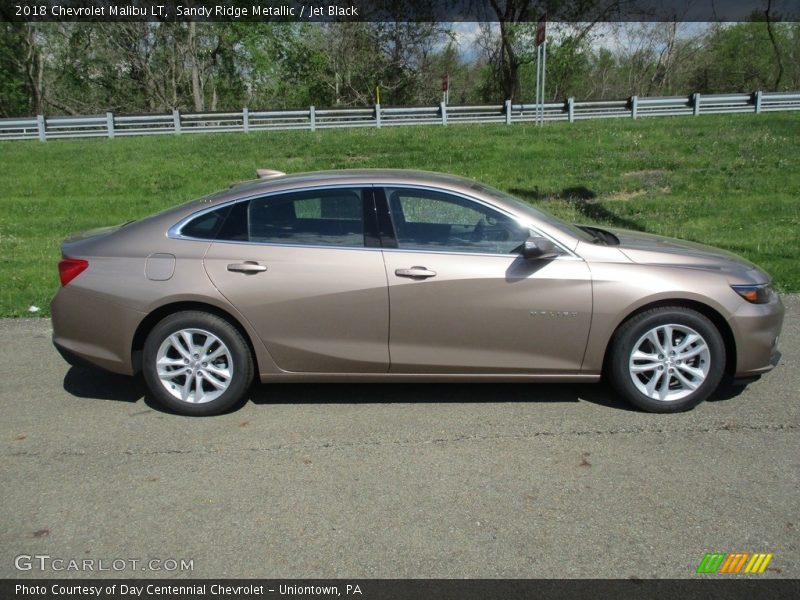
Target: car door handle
x=415 y=273
x=249 y=267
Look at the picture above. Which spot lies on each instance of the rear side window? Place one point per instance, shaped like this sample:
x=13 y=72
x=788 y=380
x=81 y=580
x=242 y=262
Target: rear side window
x=235 y=226
x=332 y=217
x=207 y=225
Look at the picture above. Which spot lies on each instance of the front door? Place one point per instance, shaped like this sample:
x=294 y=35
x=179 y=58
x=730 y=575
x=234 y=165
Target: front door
x=464 y=301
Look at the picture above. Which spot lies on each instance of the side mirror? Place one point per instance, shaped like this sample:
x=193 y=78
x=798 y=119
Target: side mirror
x=539 y=248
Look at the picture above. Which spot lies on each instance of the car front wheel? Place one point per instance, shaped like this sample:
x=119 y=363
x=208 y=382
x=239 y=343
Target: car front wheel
x=667 y=359
x=196 y=363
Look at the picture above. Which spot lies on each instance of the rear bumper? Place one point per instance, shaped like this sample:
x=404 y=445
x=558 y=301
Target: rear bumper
x=71 y=358
x=90 y=330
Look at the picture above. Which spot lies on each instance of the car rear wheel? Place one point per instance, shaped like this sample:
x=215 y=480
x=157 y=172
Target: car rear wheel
x=196 y=363
x=667 y=359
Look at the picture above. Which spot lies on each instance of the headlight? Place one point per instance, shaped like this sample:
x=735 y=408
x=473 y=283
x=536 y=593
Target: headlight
x=755 y=294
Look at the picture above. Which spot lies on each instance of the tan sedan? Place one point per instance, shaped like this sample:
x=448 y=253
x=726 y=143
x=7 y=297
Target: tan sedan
x=387 y=275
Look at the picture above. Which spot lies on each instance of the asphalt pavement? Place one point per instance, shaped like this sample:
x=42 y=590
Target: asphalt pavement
x=389 y=481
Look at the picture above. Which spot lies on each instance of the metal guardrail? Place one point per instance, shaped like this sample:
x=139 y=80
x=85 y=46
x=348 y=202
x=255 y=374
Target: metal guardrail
x=111 y=125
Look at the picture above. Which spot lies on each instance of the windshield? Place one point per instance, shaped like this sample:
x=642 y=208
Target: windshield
x=551 y=220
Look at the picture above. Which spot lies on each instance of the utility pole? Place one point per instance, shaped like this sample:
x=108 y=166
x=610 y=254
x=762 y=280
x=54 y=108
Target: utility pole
x=541 y=67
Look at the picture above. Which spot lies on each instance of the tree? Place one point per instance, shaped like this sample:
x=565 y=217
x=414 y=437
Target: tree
x=568 y=63
x=516 y=41
x=517 y=22
x=655 y=58
x=22 y=85
x=741 y=57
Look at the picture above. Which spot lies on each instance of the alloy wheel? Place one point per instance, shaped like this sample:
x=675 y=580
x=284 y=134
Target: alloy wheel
x=669 y=362
x=194 y=366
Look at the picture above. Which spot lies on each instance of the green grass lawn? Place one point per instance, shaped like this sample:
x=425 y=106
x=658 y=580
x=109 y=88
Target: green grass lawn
x=731 y=181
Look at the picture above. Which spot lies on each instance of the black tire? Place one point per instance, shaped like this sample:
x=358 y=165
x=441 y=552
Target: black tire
x=672 y=378
x=223 y=381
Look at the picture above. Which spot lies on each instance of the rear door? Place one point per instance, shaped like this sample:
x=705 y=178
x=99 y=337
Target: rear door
x=464 y=301
x=296 y=265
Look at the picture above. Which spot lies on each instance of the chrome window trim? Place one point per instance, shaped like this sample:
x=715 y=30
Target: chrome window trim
x=483 y=254
x=277 y=245
x=174 y=232
x=469 y=198
x=365 y=248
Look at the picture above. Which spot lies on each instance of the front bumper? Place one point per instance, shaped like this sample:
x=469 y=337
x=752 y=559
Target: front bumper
x=756 y=328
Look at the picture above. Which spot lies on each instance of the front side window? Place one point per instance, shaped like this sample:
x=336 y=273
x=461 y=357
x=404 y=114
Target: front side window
x=437 y=221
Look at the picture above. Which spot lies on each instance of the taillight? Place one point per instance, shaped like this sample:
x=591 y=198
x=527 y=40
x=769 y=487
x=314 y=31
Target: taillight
x=70 y=268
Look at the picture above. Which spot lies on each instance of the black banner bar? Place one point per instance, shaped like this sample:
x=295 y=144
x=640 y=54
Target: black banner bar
x=401 y=589
x=393 y=10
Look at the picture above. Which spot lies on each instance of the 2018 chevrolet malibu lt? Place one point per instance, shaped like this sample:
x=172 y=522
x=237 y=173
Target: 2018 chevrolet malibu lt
x=389 y=275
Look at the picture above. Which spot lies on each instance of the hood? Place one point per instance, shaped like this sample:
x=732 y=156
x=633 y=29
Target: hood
x=646 y=248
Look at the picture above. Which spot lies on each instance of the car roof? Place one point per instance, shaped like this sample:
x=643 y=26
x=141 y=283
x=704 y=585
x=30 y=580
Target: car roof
x=362 y=177
x=343 y=177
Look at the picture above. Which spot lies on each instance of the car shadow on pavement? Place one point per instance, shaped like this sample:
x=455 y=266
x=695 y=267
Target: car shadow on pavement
x=100 y=385
x=96 y=384
x=727 y=391
x=84 y=382
x=391 y=393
